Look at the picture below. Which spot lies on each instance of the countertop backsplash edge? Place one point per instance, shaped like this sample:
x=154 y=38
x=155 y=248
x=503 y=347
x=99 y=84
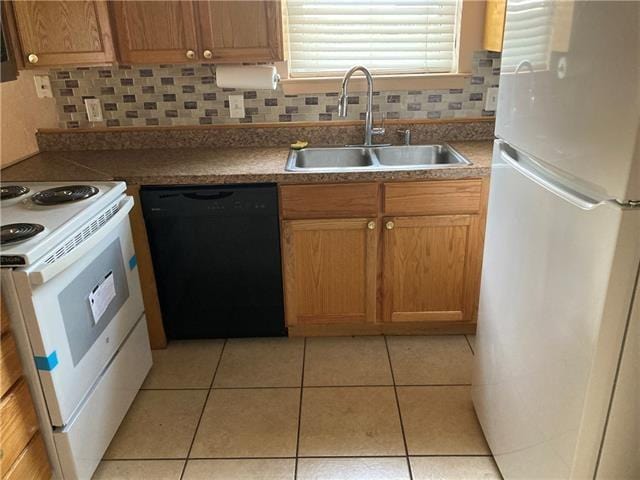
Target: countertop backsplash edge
x=275 y=136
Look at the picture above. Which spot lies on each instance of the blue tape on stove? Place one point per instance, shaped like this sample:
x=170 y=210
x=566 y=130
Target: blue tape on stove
x=47 y=363
x=133 y=261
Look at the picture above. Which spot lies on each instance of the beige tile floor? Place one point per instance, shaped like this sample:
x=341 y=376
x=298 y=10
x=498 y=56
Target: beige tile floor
x=352 y=408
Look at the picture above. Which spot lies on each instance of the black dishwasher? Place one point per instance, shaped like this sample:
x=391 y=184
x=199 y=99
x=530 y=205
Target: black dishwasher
x=216 y=256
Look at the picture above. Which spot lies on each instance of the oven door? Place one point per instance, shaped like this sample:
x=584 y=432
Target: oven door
x=78 y=317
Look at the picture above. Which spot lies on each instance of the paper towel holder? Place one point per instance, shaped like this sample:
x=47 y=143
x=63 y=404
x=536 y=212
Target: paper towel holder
x=243 y=76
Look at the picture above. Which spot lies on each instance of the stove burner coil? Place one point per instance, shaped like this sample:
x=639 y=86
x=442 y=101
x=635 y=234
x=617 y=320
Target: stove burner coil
x=8 y=192
x=17 y=232
x=68 y=193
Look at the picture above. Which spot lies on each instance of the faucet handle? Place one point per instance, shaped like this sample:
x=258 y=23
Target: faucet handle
x=406 y=133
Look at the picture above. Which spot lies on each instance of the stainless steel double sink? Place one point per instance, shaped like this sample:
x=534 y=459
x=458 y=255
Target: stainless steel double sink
x=375 y=158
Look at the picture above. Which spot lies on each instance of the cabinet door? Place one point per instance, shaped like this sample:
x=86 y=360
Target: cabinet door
x=63 y=32
x=156 y=32
x=330 y=271
x=430 y=268
x=241 y=31
x=494 y=25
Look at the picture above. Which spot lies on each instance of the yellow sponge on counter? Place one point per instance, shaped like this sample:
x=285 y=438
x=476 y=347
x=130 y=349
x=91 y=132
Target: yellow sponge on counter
x=299 y=145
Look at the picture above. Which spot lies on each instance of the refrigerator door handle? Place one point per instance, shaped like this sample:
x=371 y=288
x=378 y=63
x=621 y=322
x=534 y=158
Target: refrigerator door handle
x=530 y=169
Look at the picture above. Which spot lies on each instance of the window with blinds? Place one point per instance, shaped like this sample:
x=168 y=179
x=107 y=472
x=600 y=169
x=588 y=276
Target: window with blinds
x=327 y=37
x=527 y=35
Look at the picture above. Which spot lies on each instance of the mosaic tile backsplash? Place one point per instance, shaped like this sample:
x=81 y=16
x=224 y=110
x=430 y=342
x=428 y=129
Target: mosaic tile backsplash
x=153 y=95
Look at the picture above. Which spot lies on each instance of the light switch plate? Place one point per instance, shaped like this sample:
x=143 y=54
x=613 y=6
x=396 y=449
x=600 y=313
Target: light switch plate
x=236 y=106
x=94 y=109
x=491 y=100
x=43 y=86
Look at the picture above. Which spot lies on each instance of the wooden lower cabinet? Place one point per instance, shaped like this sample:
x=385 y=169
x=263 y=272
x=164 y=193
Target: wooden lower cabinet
x=428 y=272
x=19 y=423
x=22 y=451
x=408 y=262
x=32 y=464
x=330 y=270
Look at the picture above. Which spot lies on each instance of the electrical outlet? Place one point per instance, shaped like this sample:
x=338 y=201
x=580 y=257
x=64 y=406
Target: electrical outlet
x=491 y=100
x=236 y=106
x=94 y=109
x=43 y=86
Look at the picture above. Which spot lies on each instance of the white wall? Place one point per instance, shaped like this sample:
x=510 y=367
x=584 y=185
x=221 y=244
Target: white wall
x=21 y=114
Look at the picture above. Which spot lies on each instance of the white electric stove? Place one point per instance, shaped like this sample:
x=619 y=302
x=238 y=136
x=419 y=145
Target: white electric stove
x=36 y=217
x=70 y=281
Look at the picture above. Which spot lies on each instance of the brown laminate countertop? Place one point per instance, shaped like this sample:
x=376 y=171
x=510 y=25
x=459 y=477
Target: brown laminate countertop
x=218 y=165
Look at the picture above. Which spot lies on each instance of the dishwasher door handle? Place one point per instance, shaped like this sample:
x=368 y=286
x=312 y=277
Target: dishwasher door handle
x=207 y=196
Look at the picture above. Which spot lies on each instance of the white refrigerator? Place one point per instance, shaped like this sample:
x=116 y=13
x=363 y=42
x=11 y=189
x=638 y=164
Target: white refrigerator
x=556 y=383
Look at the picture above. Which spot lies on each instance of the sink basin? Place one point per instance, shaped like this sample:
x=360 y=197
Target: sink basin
x=418 y=156
x=341 y=159
x=332 y=158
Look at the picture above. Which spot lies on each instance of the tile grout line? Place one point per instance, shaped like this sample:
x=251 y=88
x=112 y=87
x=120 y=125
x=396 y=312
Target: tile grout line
x=318 y=386
x=395 y=391
x=435 y=455
x=304 y=354
x=204 y=406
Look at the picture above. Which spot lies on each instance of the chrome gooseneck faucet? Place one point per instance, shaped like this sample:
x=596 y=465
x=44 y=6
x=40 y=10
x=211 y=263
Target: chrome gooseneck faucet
x=343 y=102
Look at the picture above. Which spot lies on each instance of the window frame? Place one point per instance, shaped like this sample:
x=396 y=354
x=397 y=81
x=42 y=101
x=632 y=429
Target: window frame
x=470 y=40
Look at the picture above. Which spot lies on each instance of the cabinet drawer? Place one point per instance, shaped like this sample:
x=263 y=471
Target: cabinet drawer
x=10 y=369
x=18 y=423
x=32 y=463
x=329 y=201
x=432 y=198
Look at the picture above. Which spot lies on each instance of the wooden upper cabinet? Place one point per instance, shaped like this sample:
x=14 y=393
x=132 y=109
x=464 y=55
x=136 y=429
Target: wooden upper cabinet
x=156 y=31
x=63 y=32
x=52 y=33
x=330 y=270
x=241 y=31
x=430 y=270
x=495 y=13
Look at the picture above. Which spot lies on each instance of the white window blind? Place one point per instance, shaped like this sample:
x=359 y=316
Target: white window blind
x=527 y=34
x=327 y=37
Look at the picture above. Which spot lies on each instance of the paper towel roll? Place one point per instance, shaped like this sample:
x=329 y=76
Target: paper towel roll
x=258 y=77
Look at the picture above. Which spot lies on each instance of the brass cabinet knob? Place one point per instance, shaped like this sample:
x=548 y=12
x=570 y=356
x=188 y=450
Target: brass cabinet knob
x=371 y=225
x=191 y=54
x=207 y=54
x=389 y=225
x=33 y=58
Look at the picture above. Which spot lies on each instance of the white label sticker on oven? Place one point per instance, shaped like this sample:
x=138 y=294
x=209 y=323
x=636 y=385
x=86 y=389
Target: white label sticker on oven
x=101 y=296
